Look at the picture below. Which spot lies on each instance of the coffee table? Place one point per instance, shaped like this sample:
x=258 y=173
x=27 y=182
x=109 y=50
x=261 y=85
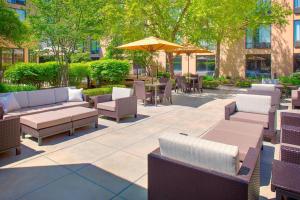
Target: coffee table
x=50 y=123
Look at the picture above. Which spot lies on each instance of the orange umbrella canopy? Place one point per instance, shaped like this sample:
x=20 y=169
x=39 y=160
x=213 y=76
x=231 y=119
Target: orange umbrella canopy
x=189 y=49
x=150 y=44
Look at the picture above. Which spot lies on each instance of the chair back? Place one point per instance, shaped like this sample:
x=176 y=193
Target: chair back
x=168 y=89
x=139 y=89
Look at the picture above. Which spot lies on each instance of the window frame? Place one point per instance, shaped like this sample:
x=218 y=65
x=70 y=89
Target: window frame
x=18 y=2
x=258 y=45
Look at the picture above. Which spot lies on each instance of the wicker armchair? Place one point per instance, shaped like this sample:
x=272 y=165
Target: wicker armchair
x=295 y=98
x=10 y=133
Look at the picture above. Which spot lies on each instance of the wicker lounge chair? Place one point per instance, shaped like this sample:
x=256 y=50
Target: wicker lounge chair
x=267 y=90
x=295 y=98
x=253 y=109
x=10 y=133
x=119 y=104
x=167 y=93
x=140 y=92
x=174 y=175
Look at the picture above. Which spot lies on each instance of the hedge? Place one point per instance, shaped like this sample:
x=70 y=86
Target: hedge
x=15 y=88
x=293 y=79
x=102 y=90
x=33 y=74
x=210 y=84
x=110 y=70
x=78 y=72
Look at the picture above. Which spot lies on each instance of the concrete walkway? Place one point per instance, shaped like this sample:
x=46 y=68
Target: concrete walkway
x=111 y=162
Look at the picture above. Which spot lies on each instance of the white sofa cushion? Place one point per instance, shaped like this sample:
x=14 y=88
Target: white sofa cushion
x=41 y=97
x=253 y=103
x=119 y=93
x=22 y=99
x=61 y=94
x=264 y=87
x=75 y=95
x=201 y=153
x=9 y=102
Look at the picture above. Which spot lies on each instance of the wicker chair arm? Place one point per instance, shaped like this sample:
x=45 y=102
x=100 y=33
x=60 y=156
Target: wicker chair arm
x=126 y=105
x=290 y=153
x=229 y=110
x=101 y=99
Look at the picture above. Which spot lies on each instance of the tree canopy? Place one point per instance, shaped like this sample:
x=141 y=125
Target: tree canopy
x=11 y=27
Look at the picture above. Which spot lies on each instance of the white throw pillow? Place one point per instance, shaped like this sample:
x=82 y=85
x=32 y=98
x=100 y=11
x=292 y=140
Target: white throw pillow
x=75 y=94
x=253 y=103
x=264 y=87
x=9 y=102
x=201 y=153
x=119 y=93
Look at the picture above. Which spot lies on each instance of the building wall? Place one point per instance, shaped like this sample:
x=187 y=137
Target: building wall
x=233 y=56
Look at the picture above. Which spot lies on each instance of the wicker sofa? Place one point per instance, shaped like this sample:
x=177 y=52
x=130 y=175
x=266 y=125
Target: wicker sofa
x=195 y=169
x=122 y=102
x=267 y=90
x=255 y=109
x=39 y=101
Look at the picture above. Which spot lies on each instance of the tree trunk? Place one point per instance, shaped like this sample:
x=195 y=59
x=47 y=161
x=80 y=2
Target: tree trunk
x=218 y=59
x=170 y=59
x=1 y=67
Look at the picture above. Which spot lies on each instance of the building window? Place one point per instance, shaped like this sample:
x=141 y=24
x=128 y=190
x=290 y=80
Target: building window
x=205 y=64
x=296 y=62
x=259 y=38
x=258 y=66
x=18 y=55
x=21 y=13
x=20 y=2
x=178 y=64
x=297 y=6
x=297 y=34
x=95 y=47
x=7 y=58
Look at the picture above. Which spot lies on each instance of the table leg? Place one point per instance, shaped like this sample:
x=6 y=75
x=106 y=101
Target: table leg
x=194 y=86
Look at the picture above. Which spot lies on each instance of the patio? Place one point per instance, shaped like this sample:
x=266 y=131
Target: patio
x=111 y=162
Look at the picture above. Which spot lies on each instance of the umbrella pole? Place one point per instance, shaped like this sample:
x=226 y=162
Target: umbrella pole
x=189 y=65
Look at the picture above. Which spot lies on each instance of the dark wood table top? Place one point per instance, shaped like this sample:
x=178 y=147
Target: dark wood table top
x=285 y=176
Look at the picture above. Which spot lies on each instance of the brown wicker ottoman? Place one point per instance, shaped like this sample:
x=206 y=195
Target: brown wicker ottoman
x=241 y=134
x=54 y=122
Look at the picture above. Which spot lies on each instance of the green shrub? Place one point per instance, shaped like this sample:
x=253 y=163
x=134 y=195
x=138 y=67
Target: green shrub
x=163 y=74
x=210 y=84
x=15 y=88
x=112 y=71
x=78 y=72
x=293 y=79
x=102 y=90
x=208 y=78
x=243 y=83
x=33 y=73
x=81 y=57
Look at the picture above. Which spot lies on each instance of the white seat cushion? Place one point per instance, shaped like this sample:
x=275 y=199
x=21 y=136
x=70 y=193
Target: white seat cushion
x=119 y=93
x=9 y=102
x=201 y=153
x=263 y=87
x=41 y=97
x=253 y=103
x=75 y=95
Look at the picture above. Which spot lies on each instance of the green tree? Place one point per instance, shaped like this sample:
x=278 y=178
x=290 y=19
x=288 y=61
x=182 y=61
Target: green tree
x=11 y=29
x=135 y=19
x=63 y=24
x=225 y=21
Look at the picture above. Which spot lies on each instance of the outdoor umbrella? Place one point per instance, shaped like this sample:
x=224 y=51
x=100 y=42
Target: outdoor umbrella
x=188 y=49
x=150 y=44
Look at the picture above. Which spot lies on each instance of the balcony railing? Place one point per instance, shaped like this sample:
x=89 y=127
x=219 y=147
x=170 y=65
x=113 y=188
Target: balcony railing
x=297 y=44
x=258 y=45
x=297 y=10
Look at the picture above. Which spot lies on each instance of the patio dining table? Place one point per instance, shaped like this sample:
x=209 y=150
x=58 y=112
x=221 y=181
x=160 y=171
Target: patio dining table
x=192 y=80
x=155 y=86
